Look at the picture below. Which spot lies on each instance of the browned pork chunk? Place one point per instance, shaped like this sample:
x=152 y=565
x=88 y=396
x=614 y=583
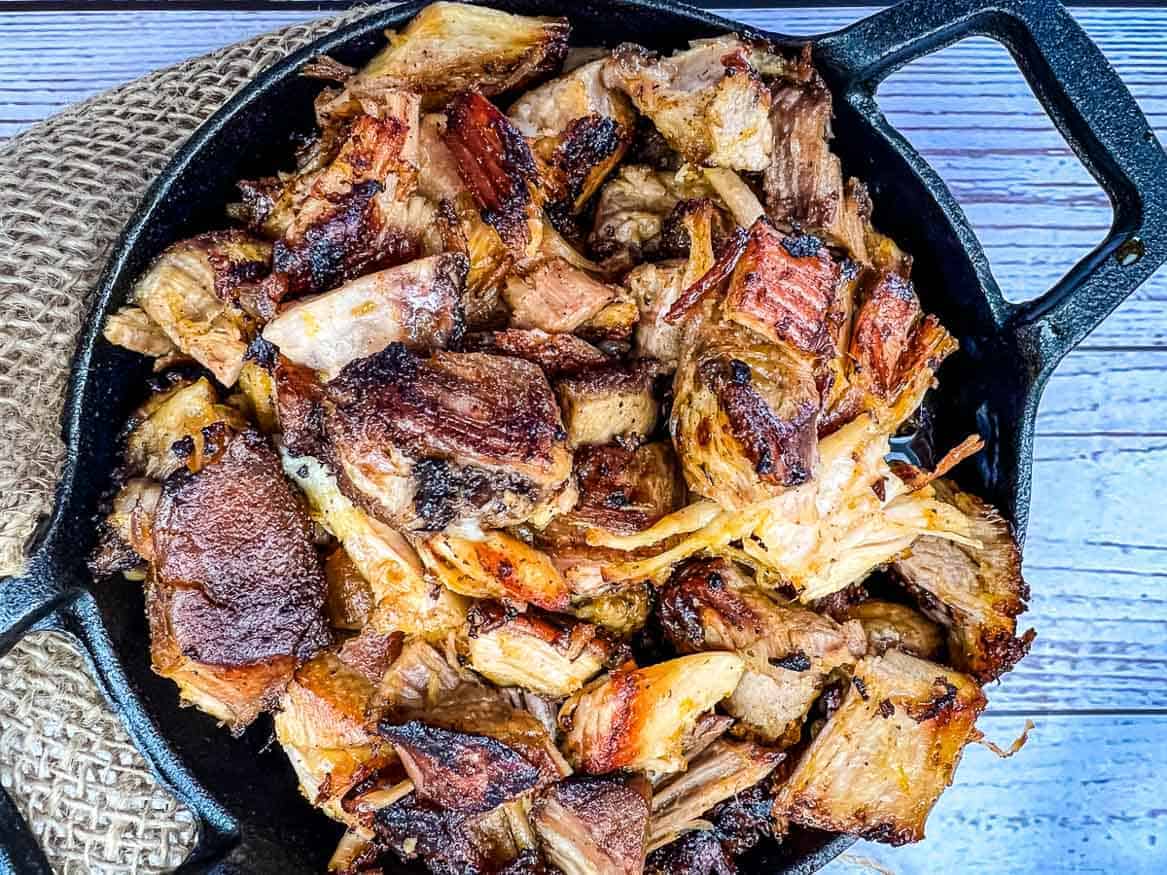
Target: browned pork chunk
x=593 y=826
x=556 y=297
x=708 y=101
x=889 y=626
x=417 y=304
x=424 y=443
x=789 y=652
x=556 y=354
x=883 y=759
x=236 y=594
x=976 y=593
x=638 y=718
x=609 y=402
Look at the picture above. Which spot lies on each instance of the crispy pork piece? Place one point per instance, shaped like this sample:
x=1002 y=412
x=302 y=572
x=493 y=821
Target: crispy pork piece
x=349 y=601
x=298 y=407
x=556 y=354
x=745 y=414
x=555 y=297
x=633 y=207
x=370 y=652
x=167 y=431
x=730 y=829
x=977 y=593
x=193 y=294
x=580 y=128
x=593 y=826
x=700 y=852
x=719 y=772
x=403 y=599
x=490 y=260
x=131 y=328
x=417 y=304
x=417 y=680
x=538 y=652
x=708 y=101
x=497 y=166
x=789 y=652
x=453 y=47
x=637 y=718
x=782 y=288
x=804 y=180
x=236 y=596
x=124 y=539
x=438 y=178
x=609 y=402
x=622 y=612
x=424 y=443
x=889 y=626
x=883 y=759
x=495 y=565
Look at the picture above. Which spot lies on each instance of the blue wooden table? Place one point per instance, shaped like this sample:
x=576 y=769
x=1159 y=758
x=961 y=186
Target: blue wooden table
x=1085 y=795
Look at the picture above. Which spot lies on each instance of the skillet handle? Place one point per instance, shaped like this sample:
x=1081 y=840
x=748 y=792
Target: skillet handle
x=1089 y=105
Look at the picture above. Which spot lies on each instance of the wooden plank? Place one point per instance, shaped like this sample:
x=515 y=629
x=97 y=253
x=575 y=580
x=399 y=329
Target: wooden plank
x=1077 y=798
x=1094 y=392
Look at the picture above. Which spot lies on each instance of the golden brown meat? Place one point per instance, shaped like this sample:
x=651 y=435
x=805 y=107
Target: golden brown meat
x=236 y=595
x=637 y=718
x=789 y=652
x=418 y=304
x=556 y=354
x=885 y=756
x=554 y=296
x=708 y=101
x=610 y=402
x=132 y=328
x=977 y=593
x=889 y=626
x=539 y=652
x=593 y=826
x=195 y=293
x=425 y=443
x=349 y=601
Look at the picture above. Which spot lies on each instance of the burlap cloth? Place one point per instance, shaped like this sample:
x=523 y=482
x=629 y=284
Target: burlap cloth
x=67 y=186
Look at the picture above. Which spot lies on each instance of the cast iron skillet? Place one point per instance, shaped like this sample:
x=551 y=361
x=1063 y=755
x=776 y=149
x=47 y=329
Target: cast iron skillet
x=251 y=818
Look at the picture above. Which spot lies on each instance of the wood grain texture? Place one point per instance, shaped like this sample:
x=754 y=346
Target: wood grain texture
x=1083 y=796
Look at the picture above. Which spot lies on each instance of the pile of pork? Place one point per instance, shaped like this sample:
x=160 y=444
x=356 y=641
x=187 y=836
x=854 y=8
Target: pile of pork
x=524 y=452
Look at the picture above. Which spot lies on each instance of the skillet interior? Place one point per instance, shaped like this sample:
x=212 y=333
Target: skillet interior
x=985 y=389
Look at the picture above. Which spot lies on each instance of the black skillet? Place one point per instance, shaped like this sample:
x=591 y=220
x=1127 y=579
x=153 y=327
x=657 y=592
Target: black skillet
x=251 y=818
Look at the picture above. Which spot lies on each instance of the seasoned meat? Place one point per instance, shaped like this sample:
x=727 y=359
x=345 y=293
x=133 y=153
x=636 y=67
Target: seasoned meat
x=708 y=101
x=236 y=597
x=556 y=354
x=495 y=565
x=719 y=772
x=124 y=539
x=694 y=853
x=745 y=414
x=580 y=128
x=133 y=329
x=976 y=592
x=593 y=826
x=453 y=47
x=349 y=602
x=417 y=680
x=403 y=599
x=609 y=402
x=424 y=443
x=637 y=718
x=789 y=652
x=417 y=304
x=555 y=297
x=497 y=166
x=370 y=652
x=884 y=757
x=633 y=206
x=889 y=626
x=781 y=290
x=622 y=613
x=438 y=178
x=540 y=652
x=193 y=293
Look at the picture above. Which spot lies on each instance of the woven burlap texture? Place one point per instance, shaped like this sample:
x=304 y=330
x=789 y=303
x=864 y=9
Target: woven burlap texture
x=67 y=186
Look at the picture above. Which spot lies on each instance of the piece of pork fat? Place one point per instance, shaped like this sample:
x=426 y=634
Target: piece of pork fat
x=581 y=130
x=789 y=652
x=417 y=304
x=977 y=593
x=803 y=182
x=593 y=826
x=426 y=443
x=707 y=101
x=609 y=402
x=556 y=354
x=555 y=296
x=235 y=596
x=721 y=771
x=544 y=653
x=498 y=168
x=196 y=295
x=637 y=718
x=745 y=414
x=884 y=757
x=891 y=626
